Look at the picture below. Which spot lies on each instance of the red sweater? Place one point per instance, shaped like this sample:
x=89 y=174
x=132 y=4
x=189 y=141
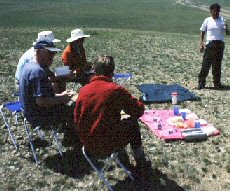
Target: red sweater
x=97 y=112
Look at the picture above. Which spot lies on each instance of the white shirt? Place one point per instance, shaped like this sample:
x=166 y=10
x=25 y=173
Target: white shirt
x=214 y=29
x=28 y=56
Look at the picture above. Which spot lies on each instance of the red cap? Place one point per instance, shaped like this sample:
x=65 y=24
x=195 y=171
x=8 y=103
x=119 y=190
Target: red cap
x=174 y=93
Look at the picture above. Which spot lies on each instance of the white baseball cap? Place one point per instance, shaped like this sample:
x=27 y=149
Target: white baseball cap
x=76 y=34
x=46 y=36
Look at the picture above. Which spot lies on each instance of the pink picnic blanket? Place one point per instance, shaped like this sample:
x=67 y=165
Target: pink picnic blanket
x=155 y=118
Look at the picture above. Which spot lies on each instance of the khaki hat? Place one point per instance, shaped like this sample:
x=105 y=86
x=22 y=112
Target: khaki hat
x=76 y=34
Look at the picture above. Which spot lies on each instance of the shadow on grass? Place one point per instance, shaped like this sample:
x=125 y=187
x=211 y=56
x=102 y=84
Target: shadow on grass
x=72 y=164
x=156 y=181
x=224 y=88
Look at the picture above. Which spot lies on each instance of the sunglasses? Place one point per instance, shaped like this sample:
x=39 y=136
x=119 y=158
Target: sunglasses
x=50 y=52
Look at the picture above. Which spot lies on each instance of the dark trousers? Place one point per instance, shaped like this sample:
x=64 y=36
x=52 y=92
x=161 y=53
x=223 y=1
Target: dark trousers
x=127 y=132
x=55 y=116
x=132 y=129
x=213 y=56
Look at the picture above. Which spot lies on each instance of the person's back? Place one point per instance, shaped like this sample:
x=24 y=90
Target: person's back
x=98 y=119
x=27 y=57
x=102 y=102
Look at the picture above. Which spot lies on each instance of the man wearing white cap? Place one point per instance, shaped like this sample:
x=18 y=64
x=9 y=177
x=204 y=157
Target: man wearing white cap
x=29 y=55
x=74 y=56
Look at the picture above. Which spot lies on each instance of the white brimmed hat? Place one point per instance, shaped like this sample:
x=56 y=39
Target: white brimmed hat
x=46 y=36
x=76 y=34
x=46 y=45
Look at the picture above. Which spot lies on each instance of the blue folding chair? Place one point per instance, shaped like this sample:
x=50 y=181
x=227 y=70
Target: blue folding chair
x=13 y=109
x=122 y=78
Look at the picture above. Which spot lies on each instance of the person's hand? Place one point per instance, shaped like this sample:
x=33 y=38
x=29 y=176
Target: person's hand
x=66 y=96
x=202 y=47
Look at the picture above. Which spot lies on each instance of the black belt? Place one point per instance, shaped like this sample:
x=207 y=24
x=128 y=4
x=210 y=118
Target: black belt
x=217 y=41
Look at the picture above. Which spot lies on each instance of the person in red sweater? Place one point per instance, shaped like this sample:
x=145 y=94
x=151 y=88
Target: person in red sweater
x=98 y=115
x=74 y=56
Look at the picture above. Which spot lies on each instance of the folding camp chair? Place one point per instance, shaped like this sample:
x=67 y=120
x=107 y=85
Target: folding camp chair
x=122 y=78
x=39 y=131
x=107 y=162
x=13 y=109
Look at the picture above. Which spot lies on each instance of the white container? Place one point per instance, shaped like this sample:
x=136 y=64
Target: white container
x=174 y=98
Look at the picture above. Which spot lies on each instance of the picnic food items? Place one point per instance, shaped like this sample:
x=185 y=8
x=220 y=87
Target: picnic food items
x=181 y=125
x=174 y=120
x=177 y=121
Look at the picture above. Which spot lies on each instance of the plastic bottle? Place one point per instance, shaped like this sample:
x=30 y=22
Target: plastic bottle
x=174 y=98
x=144 y=97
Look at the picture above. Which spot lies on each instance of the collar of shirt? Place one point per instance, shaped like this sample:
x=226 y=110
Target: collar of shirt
x=103 y=78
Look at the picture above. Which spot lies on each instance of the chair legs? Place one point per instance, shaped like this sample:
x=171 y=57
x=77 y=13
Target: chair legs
x=124 y=168
x=55 y=137
x=57 y=140
x=107 y=162
x=7 y=124
x=31 y=142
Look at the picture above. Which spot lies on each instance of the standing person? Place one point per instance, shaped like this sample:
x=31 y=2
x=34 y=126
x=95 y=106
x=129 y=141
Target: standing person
x=74 y=56
x=98 y=119
x=38 y=100
x=214 y=28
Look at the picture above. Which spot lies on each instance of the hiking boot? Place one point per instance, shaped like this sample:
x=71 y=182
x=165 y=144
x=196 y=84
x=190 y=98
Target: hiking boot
x=201 y=86
x=143 y=167
x=142 y=171
x=143 y=164
x=218 y=86
x=124 y=159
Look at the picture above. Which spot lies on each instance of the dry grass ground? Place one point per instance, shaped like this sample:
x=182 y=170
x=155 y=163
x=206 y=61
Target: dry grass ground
x=152 y=57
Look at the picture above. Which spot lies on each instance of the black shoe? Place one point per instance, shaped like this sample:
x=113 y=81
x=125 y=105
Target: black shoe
x=218 y=86
x=124 y=159
x=201 y=86
x=142 y=171
x=143 y=164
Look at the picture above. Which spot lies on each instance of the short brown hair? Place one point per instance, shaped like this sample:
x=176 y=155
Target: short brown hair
x=104 y=65
x=215 y=6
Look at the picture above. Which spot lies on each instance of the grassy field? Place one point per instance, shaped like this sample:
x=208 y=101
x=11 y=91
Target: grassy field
x=158 y=52
x=223 y=3
x=126 y=14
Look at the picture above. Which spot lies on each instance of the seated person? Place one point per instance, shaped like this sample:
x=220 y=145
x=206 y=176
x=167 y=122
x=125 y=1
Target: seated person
x=38 y=100
x=98 y=115
x=29 y=55
x=74 y=56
